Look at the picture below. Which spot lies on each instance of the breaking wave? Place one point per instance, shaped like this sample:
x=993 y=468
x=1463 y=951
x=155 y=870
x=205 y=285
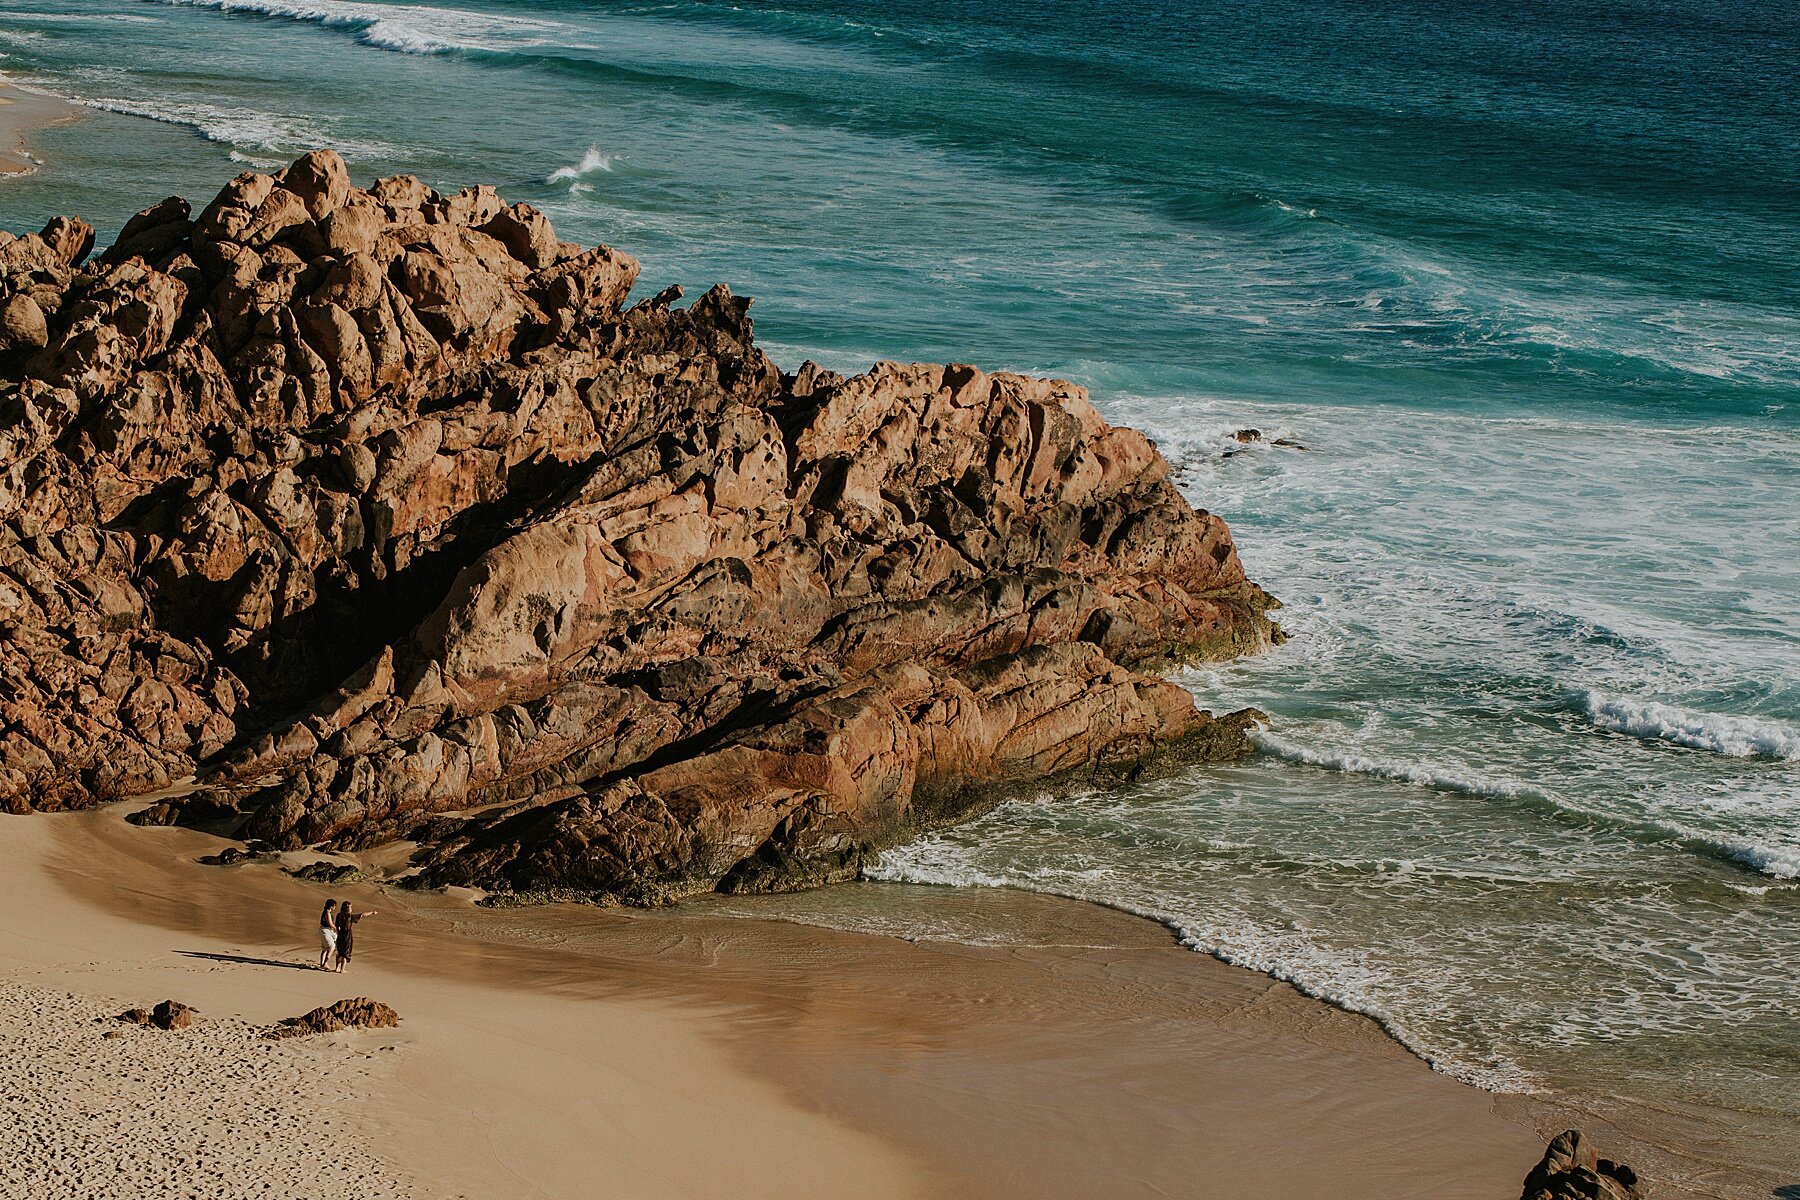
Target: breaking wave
x=1721 y=733
x=239 y=127
x=1344 y=981
x=1446 y=778
x=402 y=28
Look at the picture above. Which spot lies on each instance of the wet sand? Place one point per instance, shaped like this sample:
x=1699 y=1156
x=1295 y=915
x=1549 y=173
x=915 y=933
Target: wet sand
x=547 y=1052
x=22 y=112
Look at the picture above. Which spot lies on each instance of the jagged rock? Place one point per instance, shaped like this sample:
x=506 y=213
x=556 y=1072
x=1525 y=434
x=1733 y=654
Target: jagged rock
x=1571 y=1170
x=358 y=1013
x=169 y=1015
x=1250 y=436
x=192 y=811
x=153 y=232
x=383 y=514
x=327 y=872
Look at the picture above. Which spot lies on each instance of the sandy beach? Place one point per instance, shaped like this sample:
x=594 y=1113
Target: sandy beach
x=544 y=1052
x=21 y=112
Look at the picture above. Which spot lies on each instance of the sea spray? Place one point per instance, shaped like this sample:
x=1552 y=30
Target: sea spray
x=590 y=162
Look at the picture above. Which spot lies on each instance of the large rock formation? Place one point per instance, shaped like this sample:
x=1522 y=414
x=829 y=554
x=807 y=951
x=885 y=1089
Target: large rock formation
x=382 y=513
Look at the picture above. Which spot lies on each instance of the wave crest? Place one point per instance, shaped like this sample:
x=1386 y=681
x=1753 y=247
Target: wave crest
x=247 y=129
x=1342 y=980
x=1448 y=779
x=1720 y=733
x=402 y=28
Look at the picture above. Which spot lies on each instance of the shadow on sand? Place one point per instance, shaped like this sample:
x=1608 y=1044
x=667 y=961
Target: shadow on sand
x=246 y=960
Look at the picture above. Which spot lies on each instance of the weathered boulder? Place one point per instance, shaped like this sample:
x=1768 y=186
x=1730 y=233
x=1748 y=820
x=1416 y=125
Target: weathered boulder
x=169 y=1015
x=1571 y=1170
x=360 y=1012
x=325 y=871
x=382 y=513
x=232 y=856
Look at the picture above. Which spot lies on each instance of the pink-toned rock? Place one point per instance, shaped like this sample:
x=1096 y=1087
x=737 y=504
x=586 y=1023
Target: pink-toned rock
x=369 y=507
x=1571 y=1170
x=320 y=181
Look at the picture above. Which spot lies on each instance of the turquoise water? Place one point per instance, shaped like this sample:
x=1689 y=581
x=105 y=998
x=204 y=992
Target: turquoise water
x=1523 y=283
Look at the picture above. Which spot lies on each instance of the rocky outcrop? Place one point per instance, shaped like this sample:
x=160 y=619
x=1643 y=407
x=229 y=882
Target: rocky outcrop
x=1572 y=1170
x=357 y=1013
x=382 y=513
x=169 y=1015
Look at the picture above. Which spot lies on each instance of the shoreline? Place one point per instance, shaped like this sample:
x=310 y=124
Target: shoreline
x=1102 y=1056
x=23 y=112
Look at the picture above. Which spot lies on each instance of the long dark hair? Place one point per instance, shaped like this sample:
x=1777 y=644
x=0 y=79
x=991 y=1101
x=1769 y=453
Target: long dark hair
x=326 y=915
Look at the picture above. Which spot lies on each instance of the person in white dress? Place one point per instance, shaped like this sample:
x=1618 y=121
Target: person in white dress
x=327 y=938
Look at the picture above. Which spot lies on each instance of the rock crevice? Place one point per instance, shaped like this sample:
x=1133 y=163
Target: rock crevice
x=383 y=513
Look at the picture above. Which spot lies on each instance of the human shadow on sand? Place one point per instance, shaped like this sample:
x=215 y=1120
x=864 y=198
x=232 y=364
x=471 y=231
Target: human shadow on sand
x=246 y=960
x=1788 y=1191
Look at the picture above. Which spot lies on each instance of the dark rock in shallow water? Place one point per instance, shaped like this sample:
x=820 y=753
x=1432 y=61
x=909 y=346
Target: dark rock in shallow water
x=1248 y=436
x=1570 y=1170
x=380 y=511
x=357 y=1013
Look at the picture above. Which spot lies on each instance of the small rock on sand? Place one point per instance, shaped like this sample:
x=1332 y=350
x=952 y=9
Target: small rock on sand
x=357 y=1013
x=170 y=1014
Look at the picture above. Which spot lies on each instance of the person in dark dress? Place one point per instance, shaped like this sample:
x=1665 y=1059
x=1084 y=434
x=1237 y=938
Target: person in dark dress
x=346 y=932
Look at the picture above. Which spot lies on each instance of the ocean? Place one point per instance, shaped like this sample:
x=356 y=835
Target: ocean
x=1517 y=283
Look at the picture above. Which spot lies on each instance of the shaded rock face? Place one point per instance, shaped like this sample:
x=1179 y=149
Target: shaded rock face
x=359 y=1012
x=381 y=512
x=1571 y=1170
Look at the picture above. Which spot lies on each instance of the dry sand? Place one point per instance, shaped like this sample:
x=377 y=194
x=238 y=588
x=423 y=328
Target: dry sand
x=215 y=1110
x=569 y=1052
x=21 y=112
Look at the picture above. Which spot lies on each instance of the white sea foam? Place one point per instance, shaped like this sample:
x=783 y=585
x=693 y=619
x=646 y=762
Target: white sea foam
x=82 y=18
x=1343 y=980
x=1721 y=733
x=590 y=162
x=1771 y=861
x=227 y=126
x=1777 y=862
x=246 y=130
x=1420 y=775
x=403 y=28
x=262 y=162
